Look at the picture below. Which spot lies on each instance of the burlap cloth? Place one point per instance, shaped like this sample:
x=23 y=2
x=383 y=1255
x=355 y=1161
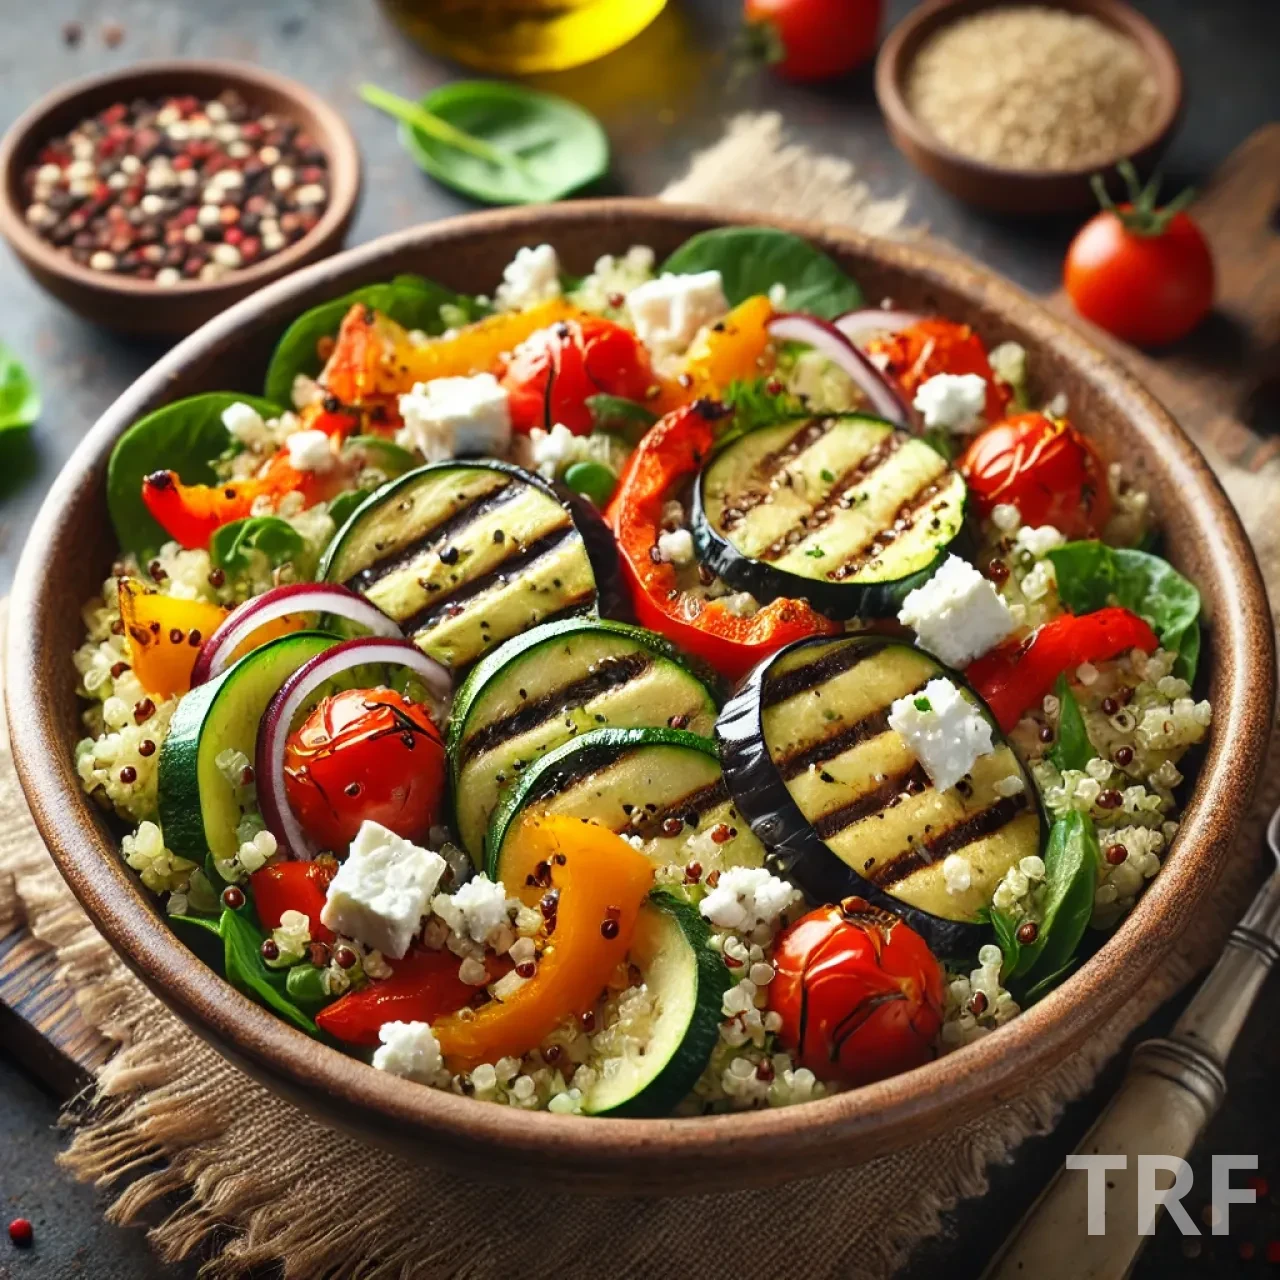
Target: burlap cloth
x=171 y=1116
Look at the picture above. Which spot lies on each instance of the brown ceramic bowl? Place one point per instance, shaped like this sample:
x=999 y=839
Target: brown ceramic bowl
x=1006 y=190
x=70 y=550
x=138 y=306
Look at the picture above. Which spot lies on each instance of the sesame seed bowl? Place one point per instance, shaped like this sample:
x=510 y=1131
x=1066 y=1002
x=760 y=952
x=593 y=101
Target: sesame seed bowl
x=150 y=199
x=69 y=553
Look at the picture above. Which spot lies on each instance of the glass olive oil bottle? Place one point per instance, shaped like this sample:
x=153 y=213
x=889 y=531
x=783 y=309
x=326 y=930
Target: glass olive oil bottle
x=522 y=37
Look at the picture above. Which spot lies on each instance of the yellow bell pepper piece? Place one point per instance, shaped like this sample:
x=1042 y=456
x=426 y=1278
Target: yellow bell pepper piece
x=164 y=635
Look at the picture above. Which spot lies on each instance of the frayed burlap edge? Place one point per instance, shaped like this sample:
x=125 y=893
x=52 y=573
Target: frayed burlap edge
x=169 y=1117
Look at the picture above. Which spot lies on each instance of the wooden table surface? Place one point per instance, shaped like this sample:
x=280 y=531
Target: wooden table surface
x=661 y=98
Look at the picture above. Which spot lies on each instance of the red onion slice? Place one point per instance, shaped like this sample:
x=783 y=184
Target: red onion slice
x=301 y=597
x=860 y=325
x=294 y=694
x=824 y=337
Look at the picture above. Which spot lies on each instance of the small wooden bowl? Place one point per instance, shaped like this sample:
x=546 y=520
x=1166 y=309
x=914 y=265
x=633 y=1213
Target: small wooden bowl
x=70 y=549
x=139 y=306
x=995 y=187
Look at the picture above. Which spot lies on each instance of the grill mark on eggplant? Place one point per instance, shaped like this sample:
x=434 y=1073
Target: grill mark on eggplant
x=448 y=602
x=769 y=465
x=837 y=662
x=869 y=803
x=699 y=801
x=904 y=519
x=612 y=673
x=956 y=837
x=827 y=510
x=844 y=739
x=444 y=530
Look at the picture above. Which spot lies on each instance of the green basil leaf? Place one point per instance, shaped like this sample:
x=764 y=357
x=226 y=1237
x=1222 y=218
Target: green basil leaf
x=1072 y=750
x=1092 y=575
x=232 y=545
x=1005 y=928
x=187 y=437
x=247 y=972
x=345 y=503
x=751 y=260
x=1071 y=874
x=627 y=417
x=19 y=396
x=497 y=142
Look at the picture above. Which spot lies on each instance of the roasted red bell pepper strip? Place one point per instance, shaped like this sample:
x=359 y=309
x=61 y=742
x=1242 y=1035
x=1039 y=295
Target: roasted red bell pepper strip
x=671 y=452
x=293 y=886
x=1015 y=676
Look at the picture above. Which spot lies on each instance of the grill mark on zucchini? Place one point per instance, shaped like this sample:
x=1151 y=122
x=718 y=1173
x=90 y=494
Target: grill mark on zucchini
x=954 y=838
x=822 y=515
x=783 y=687
x=649 y=825
x=871 y=726
x=903 y=521
x=769 y=465
x=614 y=672
x=870 y=802
x=521 y=558
x=446 y=529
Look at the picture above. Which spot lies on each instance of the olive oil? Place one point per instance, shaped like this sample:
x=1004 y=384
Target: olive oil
x=523 y=37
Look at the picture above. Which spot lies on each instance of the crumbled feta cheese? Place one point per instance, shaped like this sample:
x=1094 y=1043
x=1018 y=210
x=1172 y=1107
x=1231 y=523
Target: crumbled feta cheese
x=550 y=452
x=449 y=417
x=476 y=910
x=944 y=731
x=381 y=891
x=952 y=401
x=410 y=1049
x=309 y=451
x=245 y=424
x=305 y=391
x=676 y=546
x=1039 y=541
x=531 y=277
x=746 y=897
x=958 y=614
x=668 y=312
x=957 y=873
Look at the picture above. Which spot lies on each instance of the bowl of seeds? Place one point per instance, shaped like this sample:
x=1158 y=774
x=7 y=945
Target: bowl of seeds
x=1012 y=107
x=150 y=199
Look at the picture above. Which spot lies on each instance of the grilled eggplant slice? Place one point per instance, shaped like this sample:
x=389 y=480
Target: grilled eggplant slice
x=464 y=555
x=551 y=684
x=660 y=786
x=844 y=807
x=849 y=513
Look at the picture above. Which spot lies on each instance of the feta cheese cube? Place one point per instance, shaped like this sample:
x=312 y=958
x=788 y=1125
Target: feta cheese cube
x=676 y=546
x=952 y=401
x=410 y=1050
x=310 y=451
x=531 y=277
x=382 y=891
x=668 y=312
x=449 y=417
x=245 y=424
x=745 y=897
x=958 y=614
x=476 y=910
x=943 y=730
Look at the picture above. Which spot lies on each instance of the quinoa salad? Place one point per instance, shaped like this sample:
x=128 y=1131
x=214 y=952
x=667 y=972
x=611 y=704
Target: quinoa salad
x=686 y=688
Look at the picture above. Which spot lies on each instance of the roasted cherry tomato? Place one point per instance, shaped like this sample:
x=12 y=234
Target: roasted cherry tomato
x=859 y=993
x=365 y=754
x=923 y=350
x=1044 y=467
x=293 y=886
x=814 y=39
x=1015 y=676
x=551 y=374
x=1142 y=273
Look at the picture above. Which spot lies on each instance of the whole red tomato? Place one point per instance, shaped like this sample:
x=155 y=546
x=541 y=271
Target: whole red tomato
x=365 y=754
x=859 y=993
x=1141 y=273
x=815 y=39
x=1044 y=467
x=552 y=373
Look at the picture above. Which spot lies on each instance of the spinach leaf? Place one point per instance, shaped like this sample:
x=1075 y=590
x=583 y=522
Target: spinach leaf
x=304 y=985
x=187 y=437
x=200 y=922
x=1072 y=750
x=245 y=969
x=411 y=301
x=19 y=396
x=753 y=259
x=231 y=547
x=1071 y=876
x=626 y=417
x=345 y=503
x=1092 y=575
x=499 y=143
x=1005 y=928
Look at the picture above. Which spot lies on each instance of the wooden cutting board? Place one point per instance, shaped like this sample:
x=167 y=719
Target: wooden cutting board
x=1223 y=386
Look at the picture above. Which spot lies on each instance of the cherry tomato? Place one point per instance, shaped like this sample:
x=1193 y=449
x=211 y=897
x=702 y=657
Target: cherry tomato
x=923 y=350
x=1043 y=466
x=365 y=754
x=552 y=373
x=1142 y=273
x=814 y=39
x=293 y=886
x=859 y=993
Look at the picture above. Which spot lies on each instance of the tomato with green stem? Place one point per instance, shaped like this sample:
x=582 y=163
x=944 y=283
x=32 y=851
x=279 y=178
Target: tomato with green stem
x=813 y=39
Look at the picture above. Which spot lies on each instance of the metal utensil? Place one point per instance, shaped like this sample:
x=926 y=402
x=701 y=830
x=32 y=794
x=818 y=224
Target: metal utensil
x=1171 y=1091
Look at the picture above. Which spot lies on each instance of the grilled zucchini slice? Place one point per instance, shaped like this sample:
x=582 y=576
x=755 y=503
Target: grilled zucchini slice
x=849 y=513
